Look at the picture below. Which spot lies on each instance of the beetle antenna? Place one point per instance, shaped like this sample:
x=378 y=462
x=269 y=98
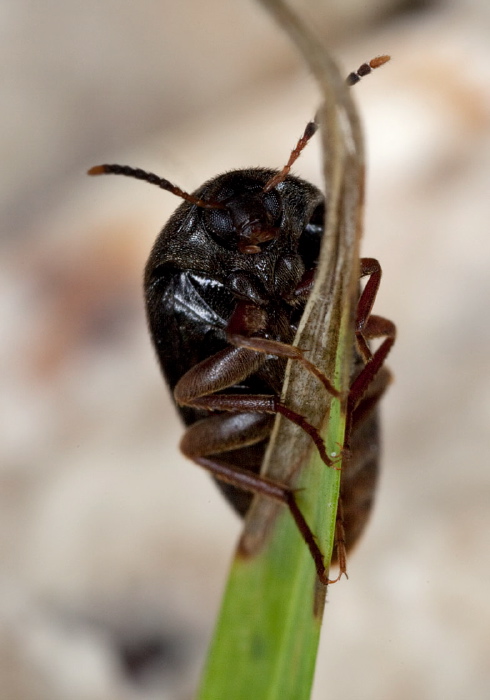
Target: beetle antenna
x=154 y=180
x=312 y=127
x=310 y=130
x=366 y=69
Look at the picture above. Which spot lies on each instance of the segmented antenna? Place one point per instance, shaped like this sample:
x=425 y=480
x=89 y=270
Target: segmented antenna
x=310 y=130
x=366 y=68
x=312 y=127
x=154 y=180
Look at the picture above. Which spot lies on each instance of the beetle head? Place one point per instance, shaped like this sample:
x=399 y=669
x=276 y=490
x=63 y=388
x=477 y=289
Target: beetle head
x=240 y=212
x=247 y=218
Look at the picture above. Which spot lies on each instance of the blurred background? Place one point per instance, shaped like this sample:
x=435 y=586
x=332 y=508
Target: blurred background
x=113 y=549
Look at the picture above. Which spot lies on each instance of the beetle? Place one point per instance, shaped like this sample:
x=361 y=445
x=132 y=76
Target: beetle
x=225 y=285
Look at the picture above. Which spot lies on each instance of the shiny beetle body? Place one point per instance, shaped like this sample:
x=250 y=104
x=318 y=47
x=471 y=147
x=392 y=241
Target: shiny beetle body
x=226 y=285
x=193 y=280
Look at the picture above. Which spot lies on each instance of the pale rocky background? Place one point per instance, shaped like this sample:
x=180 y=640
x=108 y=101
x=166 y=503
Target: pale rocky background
x=113 y=549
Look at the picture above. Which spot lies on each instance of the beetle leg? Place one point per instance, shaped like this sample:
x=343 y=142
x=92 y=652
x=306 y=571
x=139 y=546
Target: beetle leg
x=247 y=320
x=365 y=391
x=291 y=352
x=371 y=267
x=266 y=403
x=220 y=371
x=226 y=368
x=375 y=327
x=225 y=432
x=340 y=550
x=360 y=470
x=219 y=434
x=370 y=326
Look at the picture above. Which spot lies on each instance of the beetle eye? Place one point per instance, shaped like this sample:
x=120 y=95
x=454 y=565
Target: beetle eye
x=218 y=225
x=218 y=221
x=272 y=203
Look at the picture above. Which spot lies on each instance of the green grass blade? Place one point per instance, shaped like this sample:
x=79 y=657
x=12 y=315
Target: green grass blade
x=268 y=631
x=267 y=634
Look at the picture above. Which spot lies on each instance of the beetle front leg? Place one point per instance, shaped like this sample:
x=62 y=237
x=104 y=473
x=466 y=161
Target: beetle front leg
x=242 y=329
x=368 y=327
x=369 y=267
x=375 y=327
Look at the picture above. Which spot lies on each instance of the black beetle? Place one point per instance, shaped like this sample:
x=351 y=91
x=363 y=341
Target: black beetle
x=225 y=286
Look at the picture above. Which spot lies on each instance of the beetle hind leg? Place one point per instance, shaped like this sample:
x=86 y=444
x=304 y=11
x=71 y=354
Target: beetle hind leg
x=207 y=442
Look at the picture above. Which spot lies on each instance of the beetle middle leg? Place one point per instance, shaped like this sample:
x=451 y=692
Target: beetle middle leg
x=226 y=368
